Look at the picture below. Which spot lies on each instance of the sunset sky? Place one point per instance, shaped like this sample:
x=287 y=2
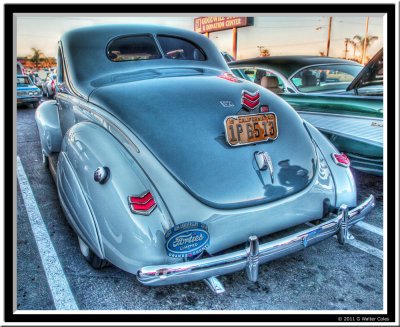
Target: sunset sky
x=281 y=35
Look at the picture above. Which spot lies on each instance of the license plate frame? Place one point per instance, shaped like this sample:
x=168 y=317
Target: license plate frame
x=270 y=116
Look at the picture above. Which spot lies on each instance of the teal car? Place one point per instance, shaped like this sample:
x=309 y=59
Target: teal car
x=343 y=99
x=27 y=92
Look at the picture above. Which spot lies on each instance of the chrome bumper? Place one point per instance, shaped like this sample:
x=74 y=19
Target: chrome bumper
x=255 y=253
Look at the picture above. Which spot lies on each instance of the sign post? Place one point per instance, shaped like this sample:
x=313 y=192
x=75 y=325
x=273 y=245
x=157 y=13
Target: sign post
x=206 y=25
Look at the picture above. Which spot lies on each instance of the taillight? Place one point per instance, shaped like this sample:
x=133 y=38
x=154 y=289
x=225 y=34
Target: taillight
x=142 y=205
x=229 y=77
x=341 y=159
x=53 y=86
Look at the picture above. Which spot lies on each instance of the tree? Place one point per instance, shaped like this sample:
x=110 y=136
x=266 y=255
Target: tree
x=264 y=53
x=346 y=43
x=37 y=56
x=48 y=62
x=354 y=45
x=359 y=40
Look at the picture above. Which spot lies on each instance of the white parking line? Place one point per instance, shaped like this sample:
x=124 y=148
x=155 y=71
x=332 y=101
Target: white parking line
x=370 y=228
x=59 y=287
x=361 y=245
x=366 y=248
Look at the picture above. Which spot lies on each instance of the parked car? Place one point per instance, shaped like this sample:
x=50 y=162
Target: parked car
x=27 y=92
x=228 y=57
x=339 y=97
x=20 y=69
x=49 y=86
x=164 y=161
x=36 y=79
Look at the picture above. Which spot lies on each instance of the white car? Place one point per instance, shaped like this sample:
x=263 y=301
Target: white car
x=49 y=86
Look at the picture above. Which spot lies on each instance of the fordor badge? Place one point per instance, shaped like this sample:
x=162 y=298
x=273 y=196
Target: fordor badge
x=187 y=239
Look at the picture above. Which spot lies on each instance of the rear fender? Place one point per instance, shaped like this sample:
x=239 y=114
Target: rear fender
x=48 y=124
x=346 y=192
x=100 y=212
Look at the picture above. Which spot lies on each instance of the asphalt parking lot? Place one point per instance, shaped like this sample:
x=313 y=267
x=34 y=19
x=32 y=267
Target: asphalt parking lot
x=327 y=276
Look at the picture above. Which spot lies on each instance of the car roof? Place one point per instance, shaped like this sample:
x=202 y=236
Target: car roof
x=288 y=65
x=89 y=67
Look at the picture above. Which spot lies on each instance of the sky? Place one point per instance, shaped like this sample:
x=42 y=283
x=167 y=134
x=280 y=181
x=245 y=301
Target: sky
x=281 y=35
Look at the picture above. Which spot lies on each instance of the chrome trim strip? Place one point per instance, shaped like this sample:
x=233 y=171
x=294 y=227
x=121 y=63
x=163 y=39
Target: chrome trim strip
x=338 y=115
x=254 y=253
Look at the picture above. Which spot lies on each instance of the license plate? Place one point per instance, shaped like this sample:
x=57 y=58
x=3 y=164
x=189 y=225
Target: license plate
x=247 y=129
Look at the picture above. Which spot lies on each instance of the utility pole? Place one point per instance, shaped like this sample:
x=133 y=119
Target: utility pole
x=234 y=37
x=260 y=47
x=346 y=41
x=365 y=41
x=328 y=44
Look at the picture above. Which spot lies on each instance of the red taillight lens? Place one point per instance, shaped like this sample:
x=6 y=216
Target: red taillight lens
x=143 y=205
x=53 y=86
x=341 y=159
x=229 y=77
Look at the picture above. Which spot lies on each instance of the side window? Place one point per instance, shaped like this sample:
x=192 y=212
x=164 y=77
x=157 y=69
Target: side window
x=241 y=74
x=325 y=78
x=60 y=67
x=249 y=74
x=269 y=80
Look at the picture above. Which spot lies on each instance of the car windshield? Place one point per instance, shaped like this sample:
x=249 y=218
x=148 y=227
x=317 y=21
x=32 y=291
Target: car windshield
x=23 y=81
x=325 y=78
x=373 y=77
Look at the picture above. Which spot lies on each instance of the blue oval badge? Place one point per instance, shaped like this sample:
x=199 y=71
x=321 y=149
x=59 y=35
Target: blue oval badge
x=187 y=239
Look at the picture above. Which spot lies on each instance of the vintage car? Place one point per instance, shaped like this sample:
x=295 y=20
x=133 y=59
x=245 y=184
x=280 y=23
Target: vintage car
x=27 y=92
x=49 y=86
x=164 y=161
x=339 y=97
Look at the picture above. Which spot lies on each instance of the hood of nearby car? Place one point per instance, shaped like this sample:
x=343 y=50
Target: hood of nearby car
x=181 y=120
x=28 y=88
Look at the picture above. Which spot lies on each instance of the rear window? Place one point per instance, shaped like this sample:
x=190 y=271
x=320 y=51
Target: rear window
x=137 y=47
x=177 y=48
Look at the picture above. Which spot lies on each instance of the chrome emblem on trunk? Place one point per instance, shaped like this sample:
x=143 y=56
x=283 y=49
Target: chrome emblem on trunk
x=264 y=162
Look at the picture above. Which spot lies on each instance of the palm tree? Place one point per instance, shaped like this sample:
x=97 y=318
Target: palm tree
x=347 y=41
x=37 y=56
x=368 y=40
x=264 y=53
x=354 y=45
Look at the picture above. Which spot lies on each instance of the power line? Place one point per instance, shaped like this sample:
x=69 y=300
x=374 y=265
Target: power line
x=299 y=26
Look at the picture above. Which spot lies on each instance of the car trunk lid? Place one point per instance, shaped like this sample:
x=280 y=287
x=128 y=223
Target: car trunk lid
x=181 y=121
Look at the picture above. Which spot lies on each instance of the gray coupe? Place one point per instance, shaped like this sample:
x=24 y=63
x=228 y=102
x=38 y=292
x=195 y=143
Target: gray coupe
x=164 y=161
